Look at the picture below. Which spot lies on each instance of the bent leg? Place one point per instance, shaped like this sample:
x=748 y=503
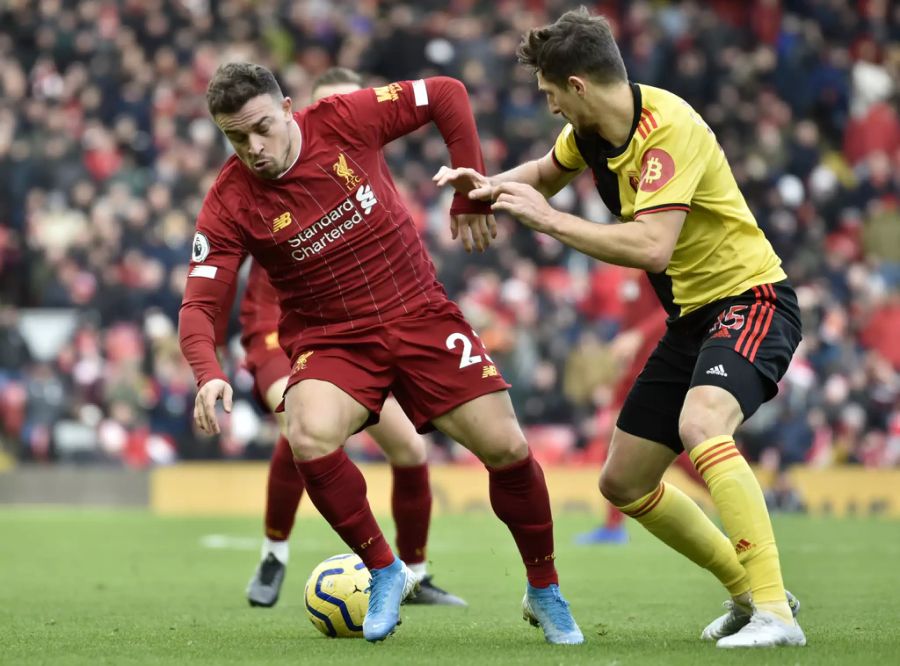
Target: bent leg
x=632 y=481
x=411 y=491
x=708 y=420
x=284 y=487
x=488 y=427
x=320 y=418
x=397 y=437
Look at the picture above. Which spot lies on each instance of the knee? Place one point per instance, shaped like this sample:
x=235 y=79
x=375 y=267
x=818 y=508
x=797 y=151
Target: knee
x=708 y=412
x=505 y=452
x=622 y=489
x=411 y=453
x=307 y=440
x=696 y=425
x=614 y=488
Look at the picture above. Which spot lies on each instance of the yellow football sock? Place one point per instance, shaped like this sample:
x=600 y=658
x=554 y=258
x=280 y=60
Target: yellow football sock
x=676 y=520
x=739 y=499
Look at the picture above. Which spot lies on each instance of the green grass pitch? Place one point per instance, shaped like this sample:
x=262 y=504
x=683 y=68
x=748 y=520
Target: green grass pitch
x=123 y=587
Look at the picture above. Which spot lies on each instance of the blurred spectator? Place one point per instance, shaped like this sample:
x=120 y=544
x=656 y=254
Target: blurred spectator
x=106 y=151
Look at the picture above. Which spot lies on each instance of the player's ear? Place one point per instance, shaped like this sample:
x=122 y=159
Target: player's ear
x=576 y=83
x=286 y=106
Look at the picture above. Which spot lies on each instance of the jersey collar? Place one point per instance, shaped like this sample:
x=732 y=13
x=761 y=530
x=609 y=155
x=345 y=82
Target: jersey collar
x=604 y=147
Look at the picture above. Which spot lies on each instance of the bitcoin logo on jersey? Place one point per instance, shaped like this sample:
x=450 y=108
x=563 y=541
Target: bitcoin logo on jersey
x=657 y=169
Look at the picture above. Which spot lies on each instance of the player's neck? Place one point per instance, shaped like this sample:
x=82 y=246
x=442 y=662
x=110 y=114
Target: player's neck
x=296 y=147
x=616 y=112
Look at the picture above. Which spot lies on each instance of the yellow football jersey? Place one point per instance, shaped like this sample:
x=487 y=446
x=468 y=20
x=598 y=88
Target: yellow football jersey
x=672 y=161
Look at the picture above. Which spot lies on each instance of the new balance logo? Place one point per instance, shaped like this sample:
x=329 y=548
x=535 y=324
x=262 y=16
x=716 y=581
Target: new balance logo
x=717 y=370
x=281 y=222
x=489 y=371
x=742 y=546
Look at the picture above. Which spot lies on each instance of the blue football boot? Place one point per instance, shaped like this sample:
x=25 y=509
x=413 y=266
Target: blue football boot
x=546 y=608
x=603 y=535
x=389 y=587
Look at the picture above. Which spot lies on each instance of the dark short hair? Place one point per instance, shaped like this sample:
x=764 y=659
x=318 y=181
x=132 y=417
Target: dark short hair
x=336 y=75
x=235 y=83
x=577 y=44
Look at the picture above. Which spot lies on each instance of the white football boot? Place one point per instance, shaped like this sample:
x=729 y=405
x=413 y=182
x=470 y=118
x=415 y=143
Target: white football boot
x=765 y=629
x=737 y=618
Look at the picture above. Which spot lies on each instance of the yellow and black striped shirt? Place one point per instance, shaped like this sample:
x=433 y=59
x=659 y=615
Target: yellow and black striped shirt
x=672 y=161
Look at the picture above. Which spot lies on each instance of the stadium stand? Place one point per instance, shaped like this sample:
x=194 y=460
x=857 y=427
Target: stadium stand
x=106 y=150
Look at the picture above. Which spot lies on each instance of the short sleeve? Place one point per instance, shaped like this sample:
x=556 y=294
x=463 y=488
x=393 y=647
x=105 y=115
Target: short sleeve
x=672 y=161
x=565 y=151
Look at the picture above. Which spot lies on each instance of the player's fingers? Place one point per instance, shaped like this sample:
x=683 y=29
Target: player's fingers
x=484 y=232
x=509 y=188
x=465 y=234
x=197 y=417
x=503 y=206
x=481 y=193
x=228 y=398
x=445 y=176
x=202 y=420
x=209 y=407
x=492 y=225
x=454 y=227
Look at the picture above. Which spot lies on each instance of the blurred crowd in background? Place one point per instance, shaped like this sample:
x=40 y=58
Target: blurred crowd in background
x=106 y=152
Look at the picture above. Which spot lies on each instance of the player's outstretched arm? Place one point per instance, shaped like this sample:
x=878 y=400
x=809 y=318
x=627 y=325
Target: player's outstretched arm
x=543 y=174
x=646 y=243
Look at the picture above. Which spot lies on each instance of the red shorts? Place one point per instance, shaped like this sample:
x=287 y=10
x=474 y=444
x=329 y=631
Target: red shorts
x=266 y=363
x=432 y=361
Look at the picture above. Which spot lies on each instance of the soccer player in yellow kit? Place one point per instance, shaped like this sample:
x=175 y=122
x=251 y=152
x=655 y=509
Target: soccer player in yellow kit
x=733 y=318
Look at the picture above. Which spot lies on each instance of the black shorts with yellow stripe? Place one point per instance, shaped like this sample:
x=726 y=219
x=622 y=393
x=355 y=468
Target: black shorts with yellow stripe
x=742 y=344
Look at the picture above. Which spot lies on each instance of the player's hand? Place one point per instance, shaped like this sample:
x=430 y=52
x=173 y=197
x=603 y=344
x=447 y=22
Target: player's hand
x=524 y=203
x=205 y=404
x=474 y=230
x=463 y=180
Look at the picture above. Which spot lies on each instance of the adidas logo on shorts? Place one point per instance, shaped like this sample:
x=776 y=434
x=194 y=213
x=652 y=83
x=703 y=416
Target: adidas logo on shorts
x=717 y=370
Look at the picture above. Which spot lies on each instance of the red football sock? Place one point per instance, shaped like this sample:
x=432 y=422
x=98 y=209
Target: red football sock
x=283 y=493
x=519 y=498
x=338 y=490
x=614 y=518
x=411 y=506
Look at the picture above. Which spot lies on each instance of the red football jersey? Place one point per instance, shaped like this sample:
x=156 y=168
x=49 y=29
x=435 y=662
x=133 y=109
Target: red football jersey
x=332 y=233
x=259 y=310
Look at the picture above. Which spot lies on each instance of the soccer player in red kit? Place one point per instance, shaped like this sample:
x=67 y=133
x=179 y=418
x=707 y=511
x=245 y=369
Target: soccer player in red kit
x=309 y=195
x=394 y=433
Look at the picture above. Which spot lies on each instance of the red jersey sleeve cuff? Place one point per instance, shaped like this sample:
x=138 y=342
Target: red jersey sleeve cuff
x=661 y=208
x=463 y=205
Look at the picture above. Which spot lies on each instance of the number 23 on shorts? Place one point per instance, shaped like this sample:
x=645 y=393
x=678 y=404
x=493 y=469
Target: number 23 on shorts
x=467 y=358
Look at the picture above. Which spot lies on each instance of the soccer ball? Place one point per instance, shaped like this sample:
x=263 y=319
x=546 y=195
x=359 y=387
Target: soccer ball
x=337 y=596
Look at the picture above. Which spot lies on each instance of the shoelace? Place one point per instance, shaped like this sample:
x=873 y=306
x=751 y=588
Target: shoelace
x=558 y=610
x=269 y=569
x=733 y=608
x=375 y=600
